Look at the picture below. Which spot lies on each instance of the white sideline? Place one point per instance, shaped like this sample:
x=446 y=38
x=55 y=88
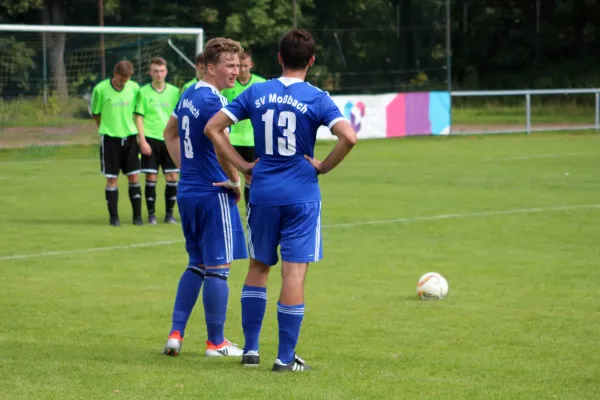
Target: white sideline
x=90 y=250
x=332 y=226
x=551 y=155
x=464 y=215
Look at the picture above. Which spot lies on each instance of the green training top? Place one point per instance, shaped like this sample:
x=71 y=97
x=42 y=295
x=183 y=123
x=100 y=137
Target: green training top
x=241 y=133
x=156 y=108
x=115 y=108
x=187 y=85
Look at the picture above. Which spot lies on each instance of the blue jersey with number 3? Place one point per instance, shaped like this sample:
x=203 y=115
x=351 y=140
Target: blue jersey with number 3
x=285 y=115
x=199 y=165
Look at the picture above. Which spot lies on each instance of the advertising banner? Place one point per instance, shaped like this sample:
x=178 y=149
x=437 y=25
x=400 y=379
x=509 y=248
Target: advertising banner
x=394 y=115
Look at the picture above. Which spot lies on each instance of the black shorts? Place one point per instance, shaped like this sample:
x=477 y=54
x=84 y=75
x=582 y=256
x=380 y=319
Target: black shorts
x=247 y=152
x=119 y=154
x=159 y=158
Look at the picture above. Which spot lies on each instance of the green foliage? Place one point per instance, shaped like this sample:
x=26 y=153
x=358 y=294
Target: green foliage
x=18 y=63
x=15 y=7
x=368 y=46
x=259 y=22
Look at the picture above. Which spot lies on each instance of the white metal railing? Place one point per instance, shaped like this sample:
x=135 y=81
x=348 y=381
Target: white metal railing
x=528 y=94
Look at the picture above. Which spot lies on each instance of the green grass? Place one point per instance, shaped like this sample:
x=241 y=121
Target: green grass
x=521 y=320
x=489 y=113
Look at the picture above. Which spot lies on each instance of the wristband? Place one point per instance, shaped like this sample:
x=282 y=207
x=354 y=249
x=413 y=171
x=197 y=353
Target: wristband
x=234 y=184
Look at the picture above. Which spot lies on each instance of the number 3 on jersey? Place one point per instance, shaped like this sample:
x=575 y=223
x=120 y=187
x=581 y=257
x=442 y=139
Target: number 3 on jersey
x=187 y=142
x=285 y=145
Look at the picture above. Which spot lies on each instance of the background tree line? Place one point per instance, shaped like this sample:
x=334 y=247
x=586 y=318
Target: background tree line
x=364 y=46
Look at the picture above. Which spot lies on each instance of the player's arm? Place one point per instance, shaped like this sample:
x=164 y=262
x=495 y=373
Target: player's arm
x=144 y=146
x=138 y=115
x=228 y=168
x=346 y=141
x=233 y=179
x=171 y=135
x=339 y=126
x=96 y=106
x=215 y=130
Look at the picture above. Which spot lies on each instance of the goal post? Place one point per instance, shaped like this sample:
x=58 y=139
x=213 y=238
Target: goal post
x=198 y=32
x=38 y=59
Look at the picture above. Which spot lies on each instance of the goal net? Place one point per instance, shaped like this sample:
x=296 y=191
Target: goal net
x=47 y=72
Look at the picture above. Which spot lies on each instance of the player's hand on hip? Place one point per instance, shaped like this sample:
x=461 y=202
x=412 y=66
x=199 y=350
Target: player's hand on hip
x=233 y=186
x=237 y=192
x=145 y=148
x=247 y=170
x=315 y=163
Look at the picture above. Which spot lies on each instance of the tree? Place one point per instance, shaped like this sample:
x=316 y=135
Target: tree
x=53 y=13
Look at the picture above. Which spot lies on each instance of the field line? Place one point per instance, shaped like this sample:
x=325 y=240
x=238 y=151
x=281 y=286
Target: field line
x=550 y=155
x=463 y=215
x=332 y=226
x=89 y=250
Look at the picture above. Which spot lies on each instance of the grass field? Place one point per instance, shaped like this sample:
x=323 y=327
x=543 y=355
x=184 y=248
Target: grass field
x=513 y=222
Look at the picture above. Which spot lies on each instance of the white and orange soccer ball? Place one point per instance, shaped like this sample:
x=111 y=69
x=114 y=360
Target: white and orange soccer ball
x=432 y=286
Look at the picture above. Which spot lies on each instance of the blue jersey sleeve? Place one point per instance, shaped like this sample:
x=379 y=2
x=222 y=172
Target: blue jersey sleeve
x=329 y=112
x=239 y=109
x=175 y=112
x=213 y=106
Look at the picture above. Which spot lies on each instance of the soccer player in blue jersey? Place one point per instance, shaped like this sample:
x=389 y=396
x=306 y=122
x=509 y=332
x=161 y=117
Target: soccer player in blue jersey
x=285 y=200
x=207 y=198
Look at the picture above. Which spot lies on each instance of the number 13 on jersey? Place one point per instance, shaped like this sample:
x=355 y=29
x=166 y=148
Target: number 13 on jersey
x=286 y=146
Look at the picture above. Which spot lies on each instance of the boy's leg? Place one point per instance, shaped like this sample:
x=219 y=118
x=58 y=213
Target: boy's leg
x=300 y=244
x=191 y=281
x=110 y=167
x=131 y=167
x=171 y=176
x=222 y=242
x=254 y=304
x=263 y=240
x=150 y=168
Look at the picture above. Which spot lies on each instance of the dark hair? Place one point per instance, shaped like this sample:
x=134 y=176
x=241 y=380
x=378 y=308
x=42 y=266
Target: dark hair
x=200 y=59
x=245 y=54
x=158 y=61
x=124 y=68
x=217 y=46
x=296 y=48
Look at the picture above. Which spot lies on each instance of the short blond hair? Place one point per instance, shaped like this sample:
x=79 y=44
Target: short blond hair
x=214 y=48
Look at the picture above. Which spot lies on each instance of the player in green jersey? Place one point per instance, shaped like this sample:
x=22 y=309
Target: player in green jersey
x=199 y=73
x=113 y=102
x=155 y=103
x=242 y=135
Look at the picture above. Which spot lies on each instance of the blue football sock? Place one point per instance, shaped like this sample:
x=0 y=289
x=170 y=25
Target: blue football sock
x=254 y=303
x=215 y=297
x=187 y=294
x=290 y=320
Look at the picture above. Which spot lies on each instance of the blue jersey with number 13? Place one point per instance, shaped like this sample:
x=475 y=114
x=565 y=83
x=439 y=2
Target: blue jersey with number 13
x=285 y=115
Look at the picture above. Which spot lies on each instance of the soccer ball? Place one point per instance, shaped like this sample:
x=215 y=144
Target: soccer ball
x=432 y=286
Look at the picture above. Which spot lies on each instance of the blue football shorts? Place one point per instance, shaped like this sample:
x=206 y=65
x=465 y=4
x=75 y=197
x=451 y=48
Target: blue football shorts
x=213 y=229
x=296 y=228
